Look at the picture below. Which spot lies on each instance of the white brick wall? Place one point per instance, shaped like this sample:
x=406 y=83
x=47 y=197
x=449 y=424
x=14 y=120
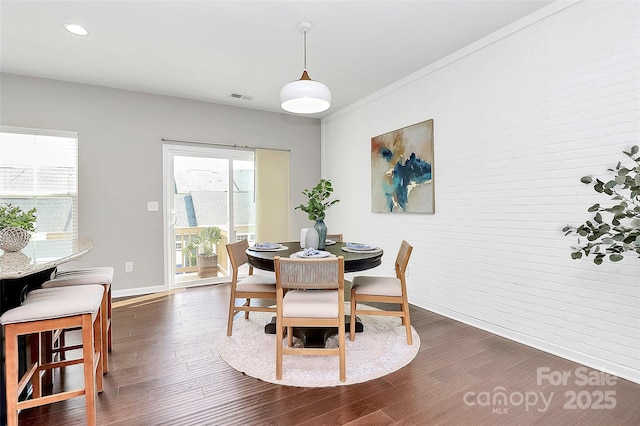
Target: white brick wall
x=519 y=117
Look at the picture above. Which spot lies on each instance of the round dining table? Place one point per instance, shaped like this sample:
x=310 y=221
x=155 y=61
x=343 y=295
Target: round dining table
x=353 y=261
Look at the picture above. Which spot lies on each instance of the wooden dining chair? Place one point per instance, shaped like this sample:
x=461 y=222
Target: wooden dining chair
x=335 y=237
x=252 y=286
x=314 y=298
x=383 y=289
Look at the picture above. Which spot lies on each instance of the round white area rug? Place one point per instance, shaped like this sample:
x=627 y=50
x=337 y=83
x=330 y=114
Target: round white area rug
x=379 y=349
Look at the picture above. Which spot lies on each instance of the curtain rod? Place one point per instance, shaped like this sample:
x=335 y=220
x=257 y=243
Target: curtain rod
x=222 y=144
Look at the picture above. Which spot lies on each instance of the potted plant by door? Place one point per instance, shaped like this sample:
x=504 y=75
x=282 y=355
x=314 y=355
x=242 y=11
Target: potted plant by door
x=15 y=227
x=204 y=244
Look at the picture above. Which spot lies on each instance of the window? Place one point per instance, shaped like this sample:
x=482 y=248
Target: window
x=39 y=168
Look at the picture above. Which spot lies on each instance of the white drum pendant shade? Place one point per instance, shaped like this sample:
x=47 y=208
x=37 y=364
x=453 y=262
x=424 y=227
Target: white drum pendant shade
x=305 y=96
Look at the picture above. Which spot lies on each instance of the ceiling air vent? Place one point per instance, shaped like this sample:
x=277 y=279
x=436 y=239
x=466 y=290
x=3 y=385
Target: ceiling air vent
x=239 y=96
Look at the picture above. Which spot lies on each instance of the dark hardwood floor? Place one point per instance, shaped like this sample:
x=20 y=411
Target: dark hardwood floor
x=165 y=370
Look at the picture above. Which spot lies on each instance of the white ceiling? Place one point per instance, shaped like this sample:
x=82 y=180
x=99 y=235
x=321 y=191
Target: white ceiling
x=207 y=50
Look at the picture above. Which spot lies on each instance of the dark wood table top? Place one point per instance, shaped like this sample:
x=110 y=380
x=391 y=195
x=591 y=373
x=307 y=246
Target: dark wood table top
x=353 y=262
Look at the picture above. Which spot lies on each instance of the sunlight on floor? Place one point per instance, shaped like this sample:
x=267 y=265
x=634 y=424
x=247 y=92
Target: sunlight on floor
x=146 y=299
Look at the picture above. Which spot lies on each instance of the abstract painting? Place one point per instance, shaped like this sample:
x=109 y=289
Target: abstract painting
x=402 y=170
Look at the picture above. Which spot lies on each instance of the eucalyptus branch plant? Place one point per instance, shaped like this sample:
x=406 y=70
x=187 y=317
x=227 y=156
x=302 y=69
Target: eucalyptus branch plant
x=614 y=230
x=318 y=200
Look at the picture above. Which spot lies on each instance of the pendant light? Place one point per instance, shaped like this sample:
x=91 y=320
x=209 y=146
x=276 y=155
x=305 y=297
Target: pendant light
x=305 y=96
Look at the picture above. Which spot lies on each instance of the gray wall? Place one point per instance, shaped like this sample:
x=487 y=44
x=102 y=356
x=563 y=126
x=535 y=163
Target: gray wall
x=120 y=159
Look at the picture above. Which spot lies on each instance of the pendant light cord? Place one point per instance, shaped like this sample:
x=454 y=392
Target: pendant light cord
x=305 y=75
x=305 y=49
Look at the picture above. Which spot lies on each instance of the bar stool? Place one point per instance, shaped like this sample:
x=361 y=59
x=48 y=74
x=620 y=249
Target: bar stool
x=43 y=311
x=102 y=275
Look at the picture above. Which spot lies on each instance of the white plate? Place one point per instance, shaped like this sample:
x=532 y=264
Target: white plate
x=320 y=254
x=329 y=242
x=348 y=250
x=270 y=247
x=363 y=247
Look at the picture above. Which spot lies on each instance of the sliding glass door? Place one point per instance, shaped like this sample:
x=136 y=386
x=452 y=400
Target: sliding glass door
x=209 y=201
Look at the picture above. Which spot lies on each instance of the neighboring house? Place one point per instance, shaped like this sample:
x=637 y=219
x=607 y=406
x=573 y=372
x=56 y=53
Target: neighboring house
x=210 y=198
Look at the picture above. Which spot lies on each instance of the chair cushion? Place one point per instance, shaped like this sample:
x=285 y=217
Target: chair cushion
x=75 y=281
x=383 y=286
x=310 y=304
x=255 y=282
x=95 y=269
x=100 y=275
x=50 y=303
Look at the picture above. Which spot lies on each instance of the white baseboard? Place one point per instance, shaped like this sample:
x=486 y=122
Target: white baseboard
x=137 y=291
x=617 y=370
x=158 y=289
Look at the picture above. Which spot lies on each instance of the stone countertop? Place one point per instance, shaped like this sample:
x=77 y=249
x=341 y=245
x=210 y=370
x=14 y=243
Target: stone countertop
x=40 y=255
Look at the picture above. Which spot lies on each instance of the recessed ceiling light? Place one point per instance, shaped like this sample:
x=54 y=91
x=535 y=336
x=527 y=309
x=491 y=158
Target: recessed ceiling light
x=76 y=29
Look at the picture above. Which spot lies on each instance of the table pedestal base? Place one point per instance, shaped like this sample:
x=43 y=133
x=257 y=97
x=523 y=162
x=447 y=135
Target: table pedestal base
x=315 y=337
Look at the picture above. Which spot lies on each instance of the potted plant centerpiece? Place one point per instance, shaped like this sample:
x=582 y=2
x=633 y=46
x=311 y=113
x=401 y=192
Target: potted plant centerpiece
x=318 y=202
x=15 y=227
x=204 y=244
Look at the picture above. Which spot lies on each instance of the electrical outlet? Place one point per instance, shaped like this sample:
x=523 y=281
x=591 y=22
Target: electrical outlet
x=128 y=266
x=152 y=206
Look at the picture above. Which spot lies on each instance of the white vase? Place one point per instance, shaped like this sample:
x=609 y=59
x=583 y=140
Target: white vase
x=309 y=238
x=312 y=239
x=303 y=237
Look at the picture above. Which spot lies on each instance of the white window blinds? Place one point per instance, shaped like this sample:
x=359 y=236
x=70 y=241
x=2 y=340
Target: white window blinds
x=39 y=168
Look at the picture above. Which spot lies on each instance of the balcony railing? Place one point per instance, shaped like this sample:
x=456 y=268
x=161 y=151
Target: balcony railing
x=186 y=262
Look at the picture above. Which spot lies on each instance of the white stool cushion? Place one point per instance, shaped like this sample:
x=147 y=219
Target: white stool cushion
x=74 y=281
x=56 y=303
x=105 y=270
x=383 y=286
x=310 y=304
x=262 y=283
x=82 y=277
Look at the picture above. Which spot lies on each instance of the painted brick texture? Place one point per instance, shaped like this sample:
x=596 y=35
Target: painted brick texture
x=518 y=121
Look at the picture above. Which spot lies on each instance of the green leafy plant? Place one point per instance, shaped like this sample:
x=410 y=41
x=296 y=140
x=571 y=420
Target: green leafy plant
x=13 y=216
x=318 y=200
x=205 y=241
x=615 y=229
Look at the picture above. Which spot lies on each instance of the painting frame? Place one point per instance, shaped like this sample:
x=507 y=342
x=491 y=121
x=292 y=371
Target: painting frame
x=402 y=170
